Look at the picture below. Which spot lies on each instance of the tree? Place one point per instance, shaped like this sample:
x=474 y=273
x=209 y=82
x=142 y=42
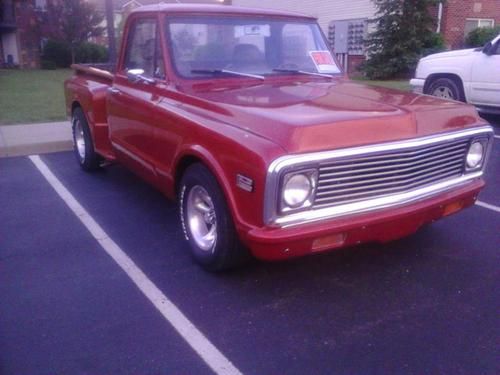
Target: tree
x=78 y=20
x=110 y=23
x=403 y=34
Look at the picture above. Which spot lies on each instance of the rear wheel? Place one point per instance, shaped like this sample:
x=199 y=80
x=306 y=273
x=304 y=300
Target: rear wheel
x=207 y=222
x=83 y=145
x=446 y=88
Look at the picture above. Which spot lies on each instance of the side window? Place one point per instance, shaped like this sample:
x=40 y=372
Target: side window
x=497 y=52
x=144 y=49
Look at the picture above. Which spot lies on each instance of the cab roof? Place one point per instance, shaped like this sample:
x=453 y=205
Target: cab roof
x=217 y=9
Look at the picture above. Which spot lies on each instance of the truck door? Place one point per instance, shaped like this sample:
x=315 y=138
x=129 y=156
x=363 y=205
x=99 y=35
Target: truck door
x=132 y=102
x=485 y=78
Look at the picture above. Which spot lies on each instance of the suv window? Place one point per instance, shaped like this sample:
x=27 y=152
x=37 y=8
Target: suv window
x=144 y=49
x=497 y=49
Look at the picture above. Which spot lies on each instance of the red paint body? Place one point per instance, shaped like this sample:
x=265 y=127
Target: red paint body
x=239 y=126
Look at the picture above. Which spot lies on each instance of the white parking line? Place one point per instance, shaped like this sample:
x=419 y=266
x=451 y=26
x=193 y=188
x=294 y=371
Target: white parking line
x=497 y=136
x=200 y=344
x=489 y=206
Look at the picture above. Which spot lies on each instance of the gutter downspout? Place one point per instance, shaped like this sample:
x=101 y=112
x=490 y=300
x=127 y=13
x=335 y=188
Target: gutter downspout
x=440 y=17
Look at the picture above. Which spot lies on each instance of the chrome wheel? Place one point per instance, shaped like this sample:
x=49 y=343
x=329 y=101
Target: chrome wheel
x=201 y=219
x=443 y=92
x=79 y=138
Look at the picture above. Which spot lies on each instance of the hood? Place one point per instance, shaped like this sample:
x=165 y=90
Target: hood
x=321 y=115
x=448 y=54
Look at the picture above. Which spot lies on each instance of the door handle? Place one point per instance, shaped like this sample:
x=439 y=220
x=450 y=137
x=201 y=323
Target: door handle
x=113 y=90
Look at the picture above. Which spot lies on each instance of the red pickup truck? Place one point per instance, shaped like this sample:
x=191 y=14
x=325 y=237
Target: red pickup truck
x=244 y=116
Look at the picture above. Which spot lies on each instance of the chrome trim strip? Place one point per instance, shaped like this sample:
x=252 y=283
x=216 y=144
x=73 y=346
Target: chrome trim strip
x=313 y=159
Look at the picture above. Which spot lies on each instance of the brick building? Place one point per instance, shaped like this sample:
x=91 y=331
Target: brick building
x=24 y=24
x=459 y=17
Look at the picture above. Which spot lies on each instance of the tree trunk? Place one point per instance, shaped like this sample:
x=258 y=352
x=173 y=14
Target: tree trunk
x=110 y=21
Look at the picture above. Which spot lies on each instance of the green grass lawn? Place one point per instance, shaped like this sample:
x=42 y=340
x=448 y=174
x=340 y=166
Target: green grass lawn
x=396 y=84
x=28 y=96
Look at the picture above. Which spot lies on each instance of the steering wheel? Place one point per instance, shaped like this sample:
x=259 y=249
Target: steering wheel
x=288 y=66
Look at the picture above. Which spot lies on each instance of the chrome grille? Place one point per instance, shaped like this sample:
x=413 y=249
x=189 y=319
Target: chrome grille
x=363 y=177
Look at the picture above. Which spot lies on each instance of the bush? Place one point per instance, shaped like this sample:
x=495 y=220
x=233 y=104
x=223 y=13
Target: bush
x=91 y=53
x=59 y=53
x=434 y=44
x=480 y=36
x=48 y=65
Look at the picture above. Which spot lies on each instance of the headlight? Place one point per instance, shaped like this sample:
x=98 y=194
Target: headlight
x=475 y=155
x=298 y=190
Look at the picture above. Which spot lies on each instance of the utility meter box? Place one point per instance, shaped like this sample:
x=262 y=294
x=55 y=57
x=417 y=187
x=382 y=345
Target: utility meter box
x=348 y=36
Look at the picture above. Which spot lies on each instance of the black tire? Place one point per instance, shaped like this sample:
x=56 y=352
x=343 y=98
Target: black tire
x=446 y=88
x=87 y=158
x=226 y=251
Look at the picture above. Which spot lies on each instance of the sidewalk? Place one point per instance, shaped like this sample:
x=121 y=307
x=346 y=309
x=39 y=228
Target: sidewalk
x=29 y=139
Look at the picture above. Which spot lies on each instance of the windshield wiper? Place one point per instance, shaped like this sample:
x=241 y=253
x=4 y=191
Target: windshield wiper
x=297 y=71
x=224 y=71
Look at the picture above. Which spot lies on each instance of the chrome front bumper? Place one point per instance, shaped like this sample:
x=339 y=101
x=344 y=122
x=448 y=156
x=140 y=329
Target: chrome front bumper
x=417 y=85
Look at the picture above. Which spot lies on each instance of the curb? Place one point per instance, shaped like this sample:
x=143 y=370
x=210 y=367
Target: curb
x=29 y=139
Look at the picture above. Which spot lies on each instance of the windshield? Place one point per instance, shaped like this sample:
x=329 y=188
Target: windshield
x=212 y=47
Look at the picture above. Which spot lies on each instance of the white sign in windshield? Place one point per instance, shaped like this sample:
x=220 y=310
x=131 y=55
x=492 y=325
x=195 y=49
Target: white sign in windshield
x=256 y=30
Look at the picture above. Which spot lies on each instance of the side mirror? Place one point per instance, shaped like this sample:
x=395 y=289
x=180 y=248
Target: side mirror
x=137 y=75
x=487 y=49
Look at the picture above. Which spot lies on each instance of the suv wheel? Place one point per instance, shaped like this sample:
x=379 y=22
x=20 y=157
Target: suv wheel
x=445 y=88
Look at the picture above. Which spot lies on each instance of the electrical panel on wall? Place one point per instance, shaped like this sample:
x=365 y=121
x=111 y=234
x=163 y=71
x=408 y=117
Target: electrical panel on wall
x=348 y=36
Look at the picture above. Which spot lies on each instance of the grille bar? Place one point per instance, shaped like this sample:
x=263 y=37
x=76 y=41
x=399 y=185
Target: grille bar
x=389 y=160
x=405 y=182
x=347 y=198
x=363 y=177
x=393 y=176
x=387 y=170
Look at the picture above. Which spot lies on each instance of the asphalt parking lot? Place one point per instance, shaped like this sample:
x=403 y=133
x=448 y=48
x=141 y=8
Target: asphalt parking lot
x=425 y=304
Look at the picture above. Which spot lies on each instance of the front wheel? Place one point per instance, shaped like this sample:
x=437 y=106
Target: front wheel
x=207 y=223
x=446 y=88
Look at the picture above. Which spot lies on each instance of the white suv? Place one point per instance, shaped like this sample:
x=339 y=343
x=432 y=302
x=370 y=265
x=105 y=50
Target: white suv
x=470 y=75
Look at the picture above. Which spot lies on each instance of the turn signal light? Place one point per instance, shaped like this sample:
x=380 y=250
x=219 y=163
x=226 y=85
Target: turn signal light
x=452 y=208
x=328 y=242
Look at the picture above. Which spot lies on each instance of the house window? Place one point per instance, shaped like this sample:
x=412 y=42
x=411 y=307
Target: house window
x=41 y=5
x=474 y=23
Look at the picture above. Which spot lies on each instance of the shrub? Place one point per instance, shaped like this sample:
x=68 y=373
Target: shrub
x=91 y=53
x=480 y=36
x=59 y=53
x=48 y=65
x=434 y=44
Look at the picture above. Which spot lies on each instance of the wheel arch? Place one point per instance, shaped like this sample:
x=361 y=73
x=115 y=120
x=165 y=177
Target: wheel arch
x=198 y=154
x=453 y=76
x=74 y=105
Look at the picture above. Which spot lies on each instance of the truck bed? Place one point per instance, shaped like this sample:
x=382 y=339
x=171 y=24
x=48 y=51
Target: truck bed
x=103 y=71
